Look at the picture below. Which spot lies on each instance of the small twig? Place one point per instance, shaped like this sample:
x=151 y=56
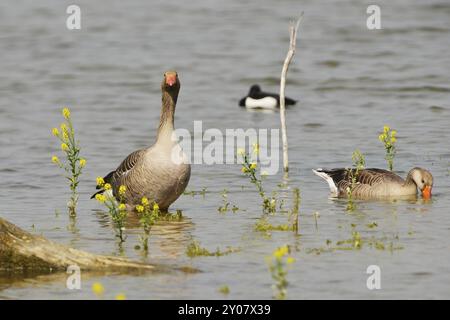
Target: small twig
x=293 y=40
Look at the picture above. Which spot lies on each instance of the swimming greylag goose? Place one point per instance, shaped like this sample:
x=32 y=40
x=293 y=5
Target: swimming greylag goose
x=377 y=183
x=153 y=172
x=260 y=99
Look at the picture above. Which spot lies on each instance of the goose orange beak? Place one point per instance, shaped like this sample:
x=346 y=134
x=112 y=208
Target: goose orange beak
x=171 y=79
x=426 y=192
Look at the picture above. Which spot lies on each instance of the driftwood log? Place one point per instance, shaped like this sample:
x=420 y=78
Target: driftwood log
x=21 y=251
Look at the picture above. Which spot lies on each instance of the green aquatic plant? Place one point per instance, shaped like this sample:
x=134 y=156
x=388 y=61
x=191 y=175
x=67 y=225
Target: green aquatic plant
x=294 y=213
x=225 y=207
x=356 y=241
x=359 y=163
x=116 y=207
x=194 y=193
x=263 y=225
x=389 y=137
x=73 y=163
x=249 y=168
x=194 y=249
x=278 y=264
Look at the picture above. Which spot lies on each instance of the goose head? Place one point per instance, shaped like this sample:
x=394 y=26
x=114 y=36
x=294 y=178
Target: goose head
x=423 y=180
x=170 y=83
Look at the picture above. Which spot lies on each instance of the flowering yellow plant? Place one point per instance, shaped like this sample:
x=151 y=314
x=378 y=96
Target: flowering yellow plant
x=277 y=266
x=249 y=169
x=122 y=190
x=100 y=181
x=389 y=137
x=66 y=113
x=73 y=164
x=117 y=208
x=98 y=289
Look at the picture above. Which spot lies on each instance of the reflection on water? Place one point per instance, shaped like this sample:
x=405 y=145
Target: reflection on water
x=168 y=239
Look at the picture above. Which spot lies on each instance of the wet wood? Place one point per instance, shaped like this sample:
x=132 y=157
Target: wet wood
x=287 y=61
x=20 y=251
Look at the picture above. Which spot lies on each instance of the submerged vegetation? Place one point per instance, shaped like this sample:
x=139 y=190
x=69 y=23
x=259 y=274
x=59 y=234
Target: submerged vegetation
x=357 y=241
x=194 y=249
x=226 y=205
x=389 y=137
x=73 y=164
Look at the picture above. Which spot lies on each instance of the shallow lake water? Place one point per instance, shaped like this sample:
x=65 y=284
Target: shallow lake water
x=350 y=81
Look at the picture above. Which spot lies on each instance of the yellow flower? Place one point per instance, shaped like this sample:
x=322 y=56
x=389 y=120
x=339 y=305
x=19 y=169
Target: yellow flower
x=122 y=190
x=98 y=289
x=256 y=148
x=253 y=165
x=82 y=162
x=382 y=137
x=121 y=296
x=55 y=132
x=278 y=254
x=66 y=113
x=55 y=159
x=386 y=129
x=393 y=140
x=122 y=206
x=100 y=181
x=65 y=136
x=107 y=186
x=393 y=133
x=100 y=198
x=290 y=260
x=144 y=201
x=241 y=152
x=63 y=127
x=281 y=252
x=244 y=169
x=139 y=208
x=155 y=207
x=64 y=147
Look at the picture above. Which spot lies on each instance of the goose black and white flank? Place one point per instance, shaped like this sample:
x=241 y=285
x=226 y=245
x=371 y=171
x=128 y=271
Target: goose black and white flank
x=153 y=172
x=260 y=99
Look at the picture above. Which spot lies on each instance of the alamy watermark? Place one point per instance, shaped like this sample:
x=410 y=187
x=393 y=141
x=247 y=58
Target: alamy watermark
x=213 y=146
x=373 y=22
x=374 y=280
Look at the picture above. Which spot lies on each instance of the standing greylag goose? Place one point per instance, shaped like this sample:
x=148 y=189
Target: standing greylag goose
x=377 y=183
x=154 y=172
x=260 y=99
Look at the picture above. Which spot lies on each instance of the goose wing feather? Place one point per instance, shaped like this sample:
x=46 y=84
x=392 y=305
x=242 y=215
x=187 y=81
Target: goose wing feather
x=125 y=166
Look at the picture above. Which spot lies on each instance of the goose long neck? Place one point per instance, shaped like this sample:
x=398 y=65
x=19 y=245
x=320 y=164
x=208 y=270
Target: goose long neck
x=166 y=121
x=409 y=179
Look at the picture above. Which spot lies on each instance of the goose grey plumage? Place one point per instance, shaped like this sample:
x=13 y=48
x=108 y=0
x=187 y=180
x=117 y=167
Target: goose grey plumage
x=377 y=183
x=160 y=172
